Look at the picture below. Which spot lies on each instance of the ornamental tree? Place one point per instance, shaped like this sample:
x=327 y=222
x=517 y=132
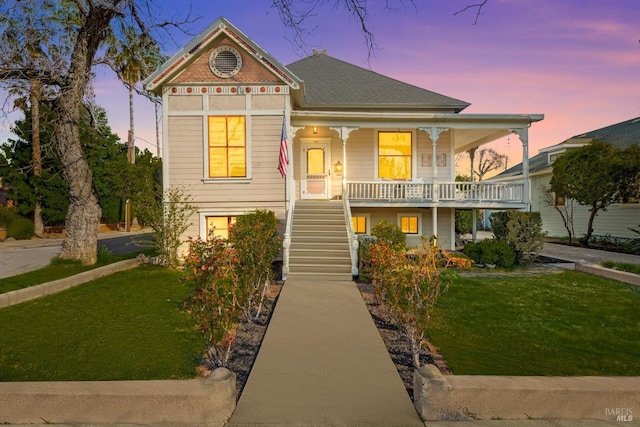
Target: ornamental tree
x=597 y=175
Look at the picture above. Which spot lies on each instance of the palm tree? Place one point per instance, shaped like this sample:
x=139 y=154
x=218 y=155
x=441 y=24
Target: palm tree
x=133 y=57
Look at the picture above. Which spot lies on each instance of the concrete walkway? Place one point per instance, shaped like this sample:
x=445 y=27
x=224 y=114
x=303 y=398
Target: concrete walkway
x=322 y=362
x=578 y=254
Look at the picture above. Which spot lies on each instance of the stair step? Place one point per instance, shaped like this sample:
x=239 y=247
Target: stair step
x=319 y=268
x=319 y=246
x=331 y=277
x=320 y=252
x=320 y=260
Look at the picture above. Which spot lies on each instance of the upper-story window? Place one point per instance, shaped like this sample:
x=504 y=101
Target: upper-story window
x=395 y=155
x=227 y=147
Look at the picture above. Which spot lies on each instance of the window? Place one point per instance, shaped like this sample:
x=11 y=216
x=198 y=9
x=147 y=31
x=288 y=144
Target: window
x=409 y=224
x=394 y=155
x=227 y=147
x=219 y=226
x=359 y=224
x=559 y=200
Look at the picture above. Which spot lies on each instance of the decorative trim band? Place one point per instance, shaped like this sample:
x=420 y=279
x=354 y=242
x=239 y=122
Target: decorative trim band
x=226 y=90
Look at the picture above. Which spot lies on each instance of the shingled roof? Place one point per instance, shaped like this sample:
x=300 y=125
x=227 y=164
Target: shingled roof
x=620 y=135
x=330 y=83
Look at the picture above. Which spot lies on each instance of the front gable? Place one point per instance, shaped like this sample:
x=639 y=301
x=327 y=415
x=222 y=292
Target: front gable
x=191 y=63
x=251 y=71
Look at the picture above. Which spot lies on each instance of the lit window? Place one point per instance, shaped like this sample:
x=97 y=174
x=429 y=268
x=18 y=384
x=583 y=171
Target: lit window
x=359 y=224
x=227 y=147
x=219 y=226
x=394 y=155
x=409 y=224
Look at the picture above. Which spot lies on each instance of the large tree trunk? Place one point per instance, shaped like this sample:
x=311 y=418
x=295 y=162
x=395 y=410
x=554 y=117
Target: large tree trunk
x=84 y=211
x=36 y=156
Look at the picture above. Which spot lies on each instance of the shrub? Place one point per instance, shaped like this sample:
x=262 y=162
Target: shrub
x=491 y=251
x=473 y=251
x=408 y=288
x=391 y=233
x=464 y=221
x=7 y=216
x=497 y=252
x=231 y=278
x=168 y=219
x=255 y=239
x=525 y=235
x=364 y=258
x=499 y=222
x=522 y=230
x=212 y=268
x=21 y=229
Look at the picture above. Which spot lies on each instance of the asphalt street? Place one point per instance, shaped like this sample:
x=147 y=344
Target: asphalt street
x=19 y=257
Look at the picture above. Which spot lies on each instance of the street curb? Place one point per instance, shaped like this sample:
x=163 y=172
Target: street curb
x=195 y=402
x=21 y=295
x=597 y=270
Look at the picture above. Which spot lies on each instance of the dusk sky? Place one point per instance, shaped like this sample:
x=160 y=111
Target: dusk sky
x=575 y=61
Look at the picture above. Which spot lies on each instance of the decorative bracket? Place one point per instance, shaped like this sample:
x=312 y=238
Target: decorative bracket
x=434 y=132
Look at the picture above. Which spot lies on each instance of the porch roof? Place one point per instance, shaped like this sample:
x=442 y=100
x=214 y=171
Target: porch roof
x=471 y=130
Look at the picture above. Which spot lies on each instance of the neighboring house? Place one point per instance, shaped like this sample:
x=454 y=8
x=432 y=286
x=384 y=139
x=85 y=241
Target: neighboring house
x=615 y=221
x=356 y=141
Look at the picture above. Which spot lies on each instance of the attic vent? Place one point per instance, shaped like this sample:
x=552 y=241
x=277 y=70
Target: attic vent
x=225 y=62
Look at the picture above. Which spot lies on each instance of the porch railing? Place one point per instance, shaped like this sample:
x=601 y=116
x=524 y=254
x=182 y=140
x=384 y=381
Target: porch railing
x=418 y=191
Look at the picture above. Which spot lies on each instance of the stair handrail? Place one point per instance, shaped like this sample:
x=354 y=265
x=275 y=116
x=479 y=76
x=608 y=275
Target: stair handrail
x=353 y=238
x=286 y=243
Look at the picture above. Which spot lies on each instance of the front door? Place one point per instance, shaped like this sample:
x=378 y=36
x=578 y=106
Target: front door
x=316 y=170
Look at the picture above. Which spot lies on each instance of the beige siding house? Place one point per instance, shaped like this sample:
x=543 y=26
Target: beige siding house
x=373 y=147
x=615 y=221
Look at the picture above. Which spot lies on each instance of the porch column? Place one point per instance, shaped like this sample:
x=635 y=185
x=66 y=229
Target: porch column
x=344 y=132
x=523 y=133
x=291 y=185
x=434 y=222
x=474 y=220
x=434 y=134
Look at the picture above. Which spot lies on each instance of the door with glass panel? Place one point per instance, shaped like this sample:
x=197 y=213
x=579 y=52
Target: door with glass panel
x=315 y=173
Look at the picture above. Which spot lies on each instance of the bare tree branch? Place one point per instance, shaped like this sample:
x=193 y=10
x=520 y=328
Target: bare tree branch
x=477 y=6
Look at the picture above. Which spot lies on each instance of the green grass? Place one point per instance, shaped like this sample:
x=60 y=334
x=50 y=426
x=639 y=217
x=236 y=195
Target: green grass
x=130 y=325
x=564 y=324
x=59 y=269
x=622 y=266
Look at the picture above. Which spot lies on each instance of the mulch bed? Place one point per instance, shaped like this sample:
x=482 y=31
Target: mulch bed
x=249 y=337
x=397 y=344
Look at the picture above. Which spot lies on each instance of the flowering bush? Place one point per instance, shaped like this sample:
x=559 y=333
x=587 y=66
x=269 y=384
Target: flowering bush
x=230 y=280
x=408 y=287
x=216 y=301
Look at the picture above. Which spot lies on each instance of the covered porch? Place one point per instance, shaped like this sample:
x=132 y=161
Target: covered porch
x=339 y=155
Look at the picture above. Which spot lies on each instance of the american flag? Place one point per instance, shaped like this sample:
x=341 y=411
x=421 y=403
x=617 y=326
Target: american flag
x=283 y=160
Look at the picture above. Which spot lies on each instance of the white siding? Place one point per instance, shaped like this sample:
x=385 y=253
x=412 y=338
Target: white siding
x=614 y=222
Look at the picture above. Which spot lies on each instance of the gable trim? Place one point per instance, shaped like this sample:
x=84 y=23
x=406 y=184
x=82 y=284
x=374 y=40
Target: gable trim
x=220 y=26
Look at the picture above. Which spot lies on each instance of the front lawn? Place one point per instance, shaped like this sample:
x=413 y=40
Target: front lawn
x=59 y=269
x=564 y=324
x=130 y=325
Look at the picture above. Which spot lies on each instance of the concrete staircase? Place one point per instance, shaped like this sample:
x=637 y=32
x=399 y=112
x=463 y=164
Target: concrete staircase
x=319 y=241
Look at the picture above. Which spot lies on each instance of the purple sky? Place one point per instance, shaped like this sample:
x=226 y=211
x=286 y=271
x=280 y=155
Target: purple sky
x=575 y=61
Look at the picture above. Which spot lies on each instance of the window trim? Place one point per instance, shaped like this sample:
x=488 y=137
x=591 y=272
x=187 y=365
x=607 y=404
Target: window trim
x=414 y=152
x=411 y=214
x=247 y=147
x=203 y=219
x=367 y=219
